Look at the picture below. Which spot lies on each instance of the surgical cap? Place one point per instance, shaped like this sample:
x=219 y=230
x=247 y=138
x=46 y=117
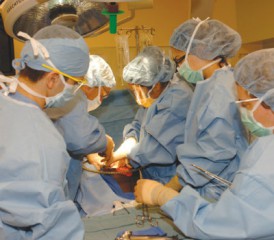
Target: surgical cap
x=67 y=51
x=213 y=39
x=255 y=73
x=149 y=68
x=99 y=73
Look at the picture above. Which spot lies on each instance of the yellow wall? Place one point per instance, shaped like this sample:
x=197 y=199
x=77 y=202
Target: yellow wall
x=256 y=19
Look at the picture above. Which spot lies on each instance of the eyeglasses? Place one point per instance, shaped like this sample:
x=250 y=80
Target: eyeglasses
x=178 y=60
x=78 y=80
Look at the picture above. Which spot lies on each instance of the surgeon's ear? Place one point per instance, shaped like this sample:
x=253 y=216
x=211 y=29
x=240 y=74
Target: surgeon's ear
x=52 y=79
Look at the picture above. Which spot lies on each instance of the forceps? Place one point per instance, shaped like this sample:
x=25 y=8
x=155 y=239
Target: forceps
x=223 y=181
x=145 y=217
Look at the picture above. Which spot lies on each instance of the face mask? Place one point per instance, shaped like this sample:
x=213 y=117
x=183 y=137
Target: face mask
x=143 y=99
x=96 y=102
x=255 y=128
x=193 y=76
x=61 y=98
x=93 y=104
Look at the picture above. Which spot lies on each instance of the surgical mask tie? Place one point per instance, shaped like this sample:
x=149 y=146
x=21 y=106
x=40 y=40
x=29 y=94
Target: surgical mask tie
x=96 y=102
x=9 y=87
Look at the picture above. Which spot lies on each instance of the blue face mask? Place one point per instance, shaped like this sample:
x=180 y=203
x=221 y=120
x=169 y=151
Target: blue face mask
x=190 y=75
x=255 y=128
x=61 y=98
x=193 y=76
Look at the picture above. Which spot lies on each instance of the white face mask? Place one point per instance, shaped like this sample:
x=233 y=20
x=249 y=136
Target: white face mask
x=96 y=102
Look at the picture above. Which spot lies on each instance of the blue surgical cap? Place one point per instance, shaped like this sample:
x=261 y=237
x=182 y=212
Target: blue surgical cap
x=213 y=39
x=255 y=73
x=67 y=51
x=99 y=73
x=149 y=67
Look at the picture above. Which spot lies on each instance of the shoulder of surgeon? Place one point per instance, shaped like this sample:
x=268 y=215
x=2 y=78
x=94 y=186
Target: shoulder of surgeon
x=176 y=98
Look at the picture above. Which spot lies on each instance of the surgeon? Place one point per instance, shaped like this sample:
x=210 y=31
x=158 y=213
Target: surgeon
x=33 y=154
x=150 y=141
x=215 y=138
x=245 y=210
x=82 y=132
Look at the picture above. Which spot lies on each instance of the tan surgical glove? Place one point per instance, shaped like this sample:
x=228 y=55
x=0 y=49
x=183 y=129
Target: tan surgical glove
x=96 y=160
x=109 y=149
x=174 y=184
x=153 y=193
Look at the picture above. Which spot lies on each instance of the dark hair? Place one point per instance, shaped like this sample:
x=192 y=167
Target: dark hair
x=223 y=61
x=32 y=74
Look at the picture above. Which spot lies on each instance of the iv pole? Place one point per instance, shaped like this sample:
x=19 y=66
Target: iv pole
x=136 y=30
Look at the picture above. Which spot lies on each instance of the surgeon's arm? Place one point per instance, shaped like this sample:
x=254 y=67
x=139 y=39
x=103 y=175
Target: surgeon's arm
x=153 y=193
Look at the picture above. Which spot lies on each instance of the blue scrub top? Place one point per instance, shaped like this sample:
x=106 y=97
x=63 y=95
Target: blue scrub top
x=244 y=211
x=215 y=138
x=33 y=165
x=159 y=129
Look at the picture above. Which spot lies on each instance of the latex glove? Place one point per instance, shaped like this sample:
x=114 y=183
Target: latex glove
x=124 y=149
x=109 y=149
x=96 y=160
x=174 y=184
x=153 y=193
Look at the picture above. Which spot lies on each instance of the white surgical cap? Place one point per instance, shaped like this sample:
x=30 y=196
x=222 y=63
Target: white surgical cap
x=255 y=73
x=67 y=49
x=149 y=68
x=213 y=39
x=99 y=73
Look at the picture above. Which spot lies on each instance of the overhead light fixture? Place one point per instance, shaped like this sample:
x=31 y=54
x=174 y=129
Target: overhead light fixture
x=84 y=16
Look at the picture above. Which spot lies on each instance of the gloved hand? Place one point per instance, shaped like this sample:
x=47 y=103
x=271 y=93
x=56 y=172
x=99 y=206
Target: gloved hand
x=153 y=193
x=121 y=153
x=96 y=160
x=174 y=184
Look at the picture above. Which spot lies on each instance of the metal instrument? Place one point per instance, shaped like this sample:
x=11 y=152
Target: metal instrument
x=128 y=236
x=145 y=217
x=221 y=180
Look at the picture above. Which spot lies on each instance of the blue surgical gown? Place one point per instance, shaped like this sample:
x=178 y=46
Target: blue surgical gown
x=158 y=130
x=83 y=135
x=244 y=211
x=214 y=138
x=33 y=165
